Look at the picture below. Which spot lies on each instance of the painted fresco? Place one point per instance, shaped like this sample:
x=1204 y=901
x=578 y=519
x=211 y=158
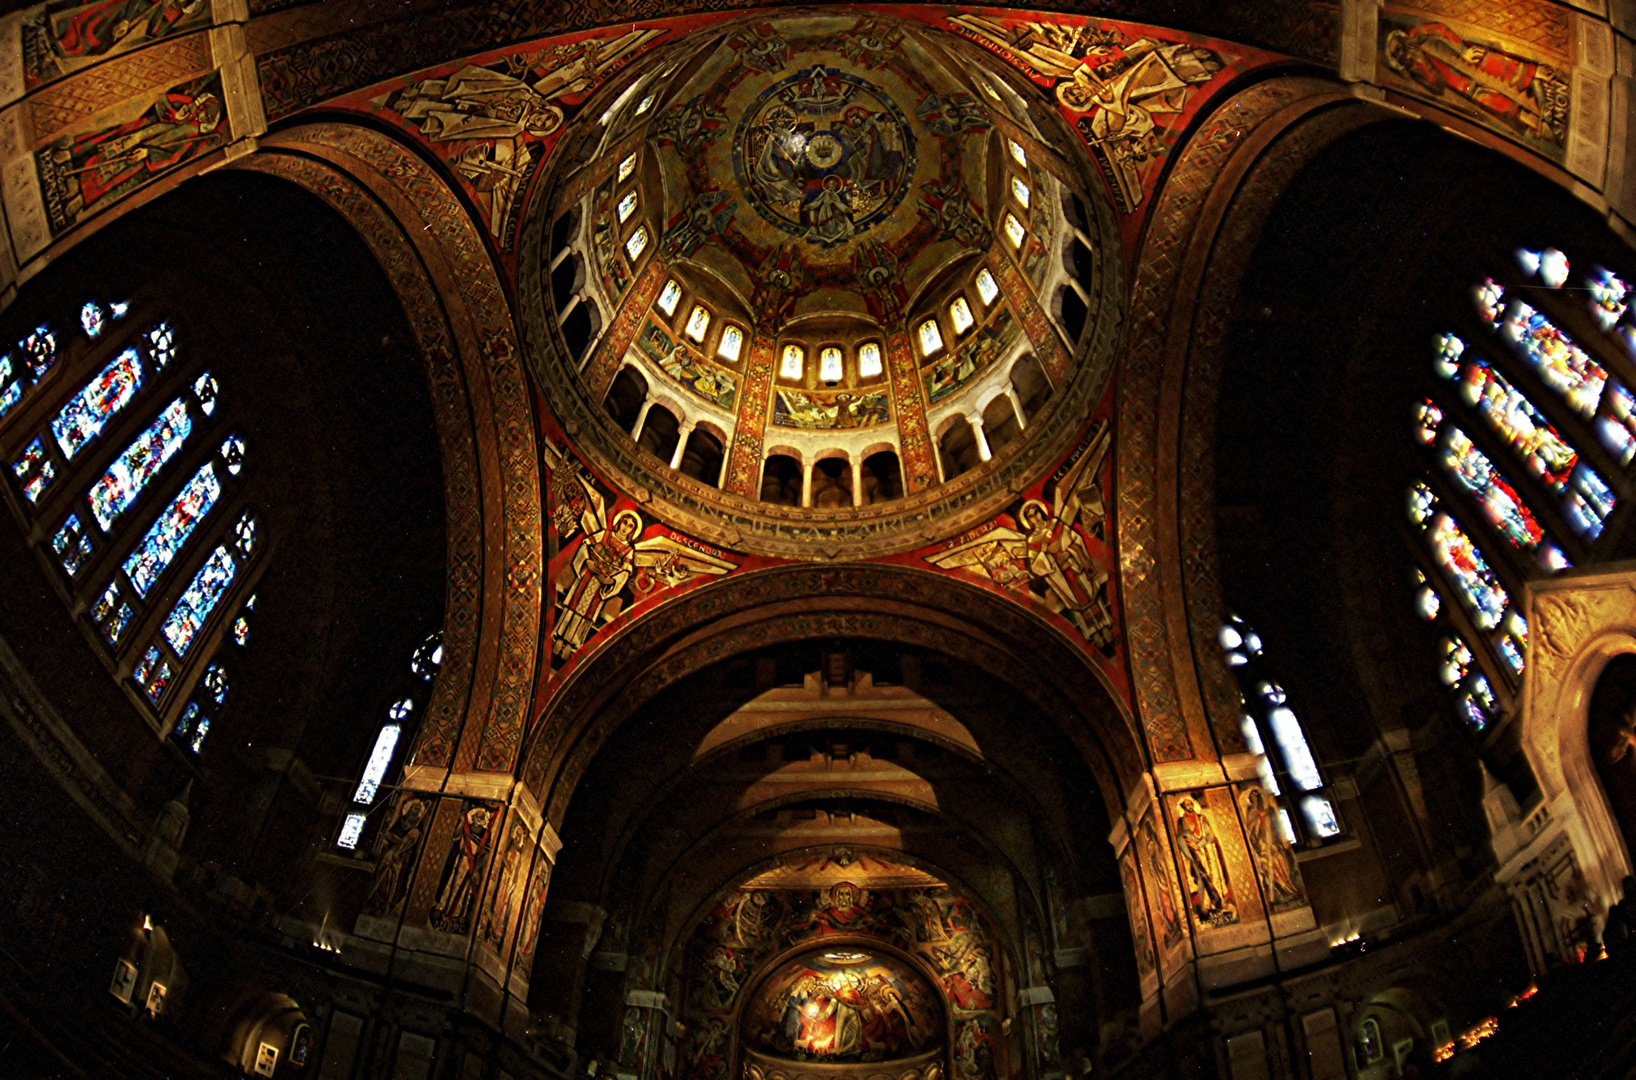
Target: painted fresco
x=682 y=362
x=81 y=175
x=1141 y=938
x=397 y=849
x=843 y=1005
x=934 y=924
x=1042 y=546
x=973 y=356
x=492 y=119
x=465 y=864
x=1273 y=858
x=1503 y=84
x=1128 y=90
x=533 y=913
x=1154 y=859
x=508 y=887
x=62 y=37
x=611 y=559
x=823 y=410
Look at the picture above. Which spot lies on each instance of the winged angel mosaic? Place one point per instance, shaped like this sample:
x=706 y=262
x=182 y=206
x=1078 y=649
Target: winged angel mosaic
x=1128 y=90
x=611 y=564
x=1042 y=550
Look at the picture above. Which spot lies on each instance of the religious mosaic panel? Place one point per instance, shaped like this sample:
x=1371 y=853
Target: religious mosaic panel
x=935 y=924
x=1519 y=88
x=62 y=37
x=687 y=365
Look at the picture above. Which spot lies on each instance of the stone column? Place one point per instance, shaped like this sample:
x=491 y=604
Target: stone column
x=681 y=443
x=857 y=482
x=983 y=451
x=806 y=483
x=641 y=418
x=1016 y=407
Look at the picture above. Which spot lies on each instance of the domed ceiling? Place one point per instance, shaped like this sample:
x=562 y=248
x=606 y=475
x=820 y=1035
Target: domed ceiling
x=844 y=1004
x=828 y=257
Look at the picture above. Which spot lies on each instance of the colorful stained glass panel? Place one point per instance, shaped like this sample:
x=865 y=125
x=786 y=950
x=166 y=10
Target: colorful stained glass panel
x=1512 y=416
x=156 y=550
x=130 y=473
x=71 y=544
x=199 y=600
x=1610 y=297
x=380 y=759
x=161 y=344
x=1555 y=358
x=40 y=350
x=1482 y=592
x=34 y=469
x=99 y=401
x=152 y=673
x=1504 y=508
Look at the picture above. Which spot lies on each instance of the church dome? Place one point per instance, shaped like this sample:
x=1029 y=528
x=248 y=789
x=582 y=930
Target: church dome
x=820 y=280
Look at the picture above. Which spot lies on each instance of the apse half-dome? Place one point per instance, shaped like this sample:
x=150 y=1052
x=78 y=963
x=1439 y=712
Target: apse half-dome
x=844 y=1004
x=825 y=277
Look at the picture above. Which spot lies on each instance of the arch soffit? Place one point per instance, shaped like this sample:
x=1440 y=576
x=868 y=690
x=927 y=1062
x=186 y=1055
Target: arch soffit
x=797 y=603
x=1206 y=180
x=437 y=260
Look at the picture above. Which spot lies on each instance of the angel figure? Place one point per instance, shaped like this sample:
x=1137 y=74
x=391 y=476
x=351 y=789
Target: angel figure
x=589 y=594
x=1047 y=550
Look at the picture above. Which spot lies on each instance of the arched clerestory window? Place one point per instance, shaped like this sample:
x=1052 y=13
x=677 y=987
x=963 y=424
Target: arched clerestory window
x=128 y=470
x=386 y=752
x=1526 y=432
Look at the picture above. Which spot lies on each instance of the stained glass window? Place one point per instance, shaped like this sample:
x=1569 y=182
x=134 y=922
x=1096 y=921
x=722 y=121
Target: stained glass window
x=161 y=345
x=34 y=469
x=1018 y=154
x=245 y=532
x=627 y=207
x=647 y=103
x=987 y=288
x=201 y=597
x=1427 y=417
x=1014 y=230
x=154 y=552
x=241 y=631
x=214 y=684
x=829 y=364
x=698 y=321
x=233 y=454
x=792 y=362
x=1020 y=191
x=380 y=759
x=869 y=360
x=1482 y=592
x=99 y=401
x=19 y=370
x=191 y=722
x=71 y=544
x=1550 y=264
x=428 y=657
x=205 y=389
x=960 y=315
x=111 y=613
x=94 y=318
x=352 y=830
x=626 y=167
x=731 y=345
x=130 y=473
x=1501 y=504
x=1610 y=297
x=1457 y=661
x=670 y=296
x=152 y=673
x=1427 y=603
x=637 y=243
x=931 y=338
